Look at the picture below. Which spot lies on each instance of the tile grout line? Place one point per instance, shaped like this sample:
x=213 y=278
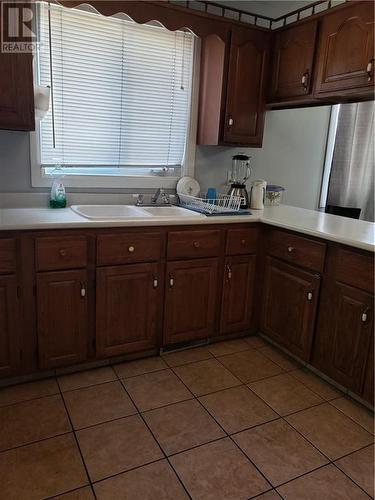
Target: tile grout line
x=227 y=435
x=157 y=442
x=76 y=440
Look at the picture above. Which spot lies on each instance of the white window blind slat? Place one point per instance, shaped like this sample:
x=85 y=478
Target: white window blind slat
x=121 y=91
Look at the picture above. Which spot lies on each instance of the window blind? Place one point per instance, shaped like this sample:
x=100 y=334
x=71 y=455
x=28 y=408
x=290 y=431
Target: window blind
x=121 y=91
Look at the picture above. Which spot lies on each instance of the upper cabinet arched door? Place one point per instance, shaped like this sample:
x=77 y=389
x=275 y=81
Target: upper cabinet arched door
x=346 y=49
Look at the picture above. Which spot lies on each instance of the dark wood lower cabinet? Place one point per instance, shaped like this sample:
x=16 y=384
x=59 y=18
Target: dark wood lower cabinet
x=238 y=293
x=9 y=332
x=289 y=306
x=128 y=301
x=344 y=331
x=190 y=300
x=368 y=385
x=62 y=318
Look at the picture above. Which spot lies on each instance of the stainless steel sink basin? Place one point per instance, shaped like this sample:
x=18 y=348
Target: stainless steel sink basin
x=131 y=212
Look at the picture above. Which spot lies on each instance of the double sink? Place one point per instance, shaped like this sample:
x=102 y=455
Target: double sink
x=131 y=212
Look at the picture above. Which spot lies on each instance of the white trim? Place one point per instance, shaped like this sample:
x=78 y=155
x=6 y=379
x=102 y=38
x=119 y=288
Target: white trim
x=40 y=179
x=332 y=129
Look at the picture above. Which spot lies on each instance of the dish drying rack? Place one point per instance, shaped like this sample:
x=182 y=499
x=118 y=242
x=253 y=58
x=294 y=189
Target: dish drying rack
x=222 y=204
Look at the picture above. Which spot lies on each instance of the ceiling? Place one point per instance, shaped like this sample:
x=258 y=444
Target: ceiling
x=269 y=8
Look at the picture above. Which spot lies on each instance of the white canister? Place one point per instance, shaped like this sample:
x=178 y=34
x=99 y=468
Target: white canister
x=257 y=194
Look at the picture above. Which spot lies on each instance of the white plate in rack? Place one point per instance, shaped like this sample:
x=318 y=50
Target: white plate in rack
x=188 y=186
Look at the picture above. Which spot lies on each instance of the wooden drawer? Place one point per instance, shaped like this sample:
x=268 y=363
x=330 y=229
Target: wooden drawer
x=54 y=253
x=7 y=255
x=241 y=241
x=124 y=248
x=355 y=269
x=296 y=249
x=193 y=244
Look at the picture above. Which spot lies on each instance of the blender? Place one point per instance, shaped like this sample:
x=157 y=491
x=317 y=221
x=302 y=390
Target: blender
x=239 y=174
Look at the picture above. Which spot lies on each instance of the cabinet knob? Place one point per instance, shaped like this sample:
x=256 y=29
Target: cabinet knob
x=364 y=316
x=155 y=282
x=369 y=70
x=305 y=80
x=83 y=290
x=243 y=242
x=290 y=249
x=131 y=249
x=229 y=272
x=230 y=121
x=63 y=252
x=196 y=244
x=309 y=296
x=171 y=281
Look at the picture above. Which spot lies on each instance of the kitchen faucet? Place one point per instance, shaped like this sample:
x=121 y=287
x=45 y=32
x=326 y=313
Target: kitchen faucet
x=160 y=193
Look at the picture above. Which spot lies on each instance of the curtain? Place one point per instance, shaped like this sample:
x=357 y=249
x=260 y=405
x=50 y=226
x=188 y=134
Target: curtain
x=351 y=181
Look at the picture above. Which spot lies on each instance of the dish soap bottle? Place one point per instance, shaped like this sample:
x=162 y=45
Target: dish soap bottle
x=58 y=197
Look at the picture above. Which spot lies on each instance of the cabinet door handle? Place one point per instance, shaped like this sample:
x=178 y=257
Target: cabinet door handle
x=230 y=121
x=155 y=282
x=131 y=249
x=62 y=252
x=83 y=290
x=290 y=249
x=243 y=242
x=305 y=80
x=196 y=244
x=229 y=272
x=309 y=296
x=364 y=316
x=171 y=281
x=369 y=70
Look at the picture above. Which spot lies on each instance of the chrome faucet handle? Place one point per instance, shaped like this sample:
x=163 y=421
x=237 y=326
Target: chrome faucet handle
x=140 y=199
x=164 y=196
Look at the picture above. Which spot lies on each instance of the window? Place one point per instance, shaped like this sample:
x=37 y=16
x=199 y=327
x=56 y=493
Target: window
x=120 y=95
x=348 y=178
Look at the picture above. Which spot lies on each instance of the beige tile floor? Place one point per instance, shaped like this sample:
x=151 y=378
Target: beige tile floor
x=232 y=421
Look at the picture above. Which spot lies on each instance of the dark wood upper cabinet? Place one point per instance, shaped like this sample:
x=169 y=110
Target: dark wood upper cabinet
x=289 y=306
x=190 y=300
x=238 y=294
x=293 y=60
x=16 y=88
x=249 y=51
x=346 y=50
x=9 y=332
x=232 y=90
x=62 y=318
x=127 y=308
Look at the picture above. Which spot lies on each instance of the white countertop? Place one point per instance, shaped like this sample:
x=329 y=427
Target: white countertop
x=359 y=234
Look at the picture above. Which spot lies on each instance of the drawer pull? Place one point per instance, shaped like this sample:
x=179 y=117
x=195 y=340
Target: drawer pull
x=305 y=80
x=196 y=244
x=63 y=252
x=230 y=121
x=309 y=296
x=369 y=70
x=155 y=282
x=131 y=249
x=290 y=249
x=83 y=290
x=171 y=281
x=243 y=242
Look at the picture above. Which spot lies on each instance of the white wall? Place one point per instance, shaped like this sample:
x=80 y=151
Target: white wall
x=292 y=156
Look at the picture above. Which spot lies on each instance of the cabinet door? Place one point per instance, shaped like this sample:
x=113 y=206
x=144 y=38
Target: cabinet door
x=16 y=86
x=293 y=61
x=344 y=333
x=127 y=308
x=9 y=333
x=368 y=386
x=346 y=49
x=237 y=299
x=289 y=306
x=190 y=300
x=246 y=87
x=62 y=318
